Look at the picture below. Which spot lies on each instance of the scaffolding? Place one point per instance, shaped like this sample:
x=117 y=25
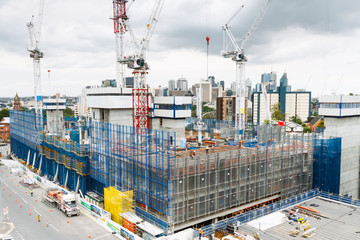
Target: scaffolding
x=220 y=128
x=212 y=183
x=128 y=159
x=170 y=189
x=72 y=155
x=25 y=128
x=62 y=161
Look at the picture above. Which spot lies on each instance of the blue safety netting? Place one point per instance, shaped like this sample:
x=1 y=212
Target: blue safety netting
x=327 y=159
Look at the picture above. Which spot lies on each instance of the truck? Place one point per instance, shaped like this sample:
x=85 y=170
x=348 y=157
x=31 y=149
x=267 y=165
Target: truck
x=64 y=202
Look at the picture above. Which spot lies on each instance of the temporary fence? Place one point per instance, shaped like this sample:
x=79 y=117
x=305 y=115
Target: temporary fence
x=339 y=198
x=254 y=214
x=274 y=207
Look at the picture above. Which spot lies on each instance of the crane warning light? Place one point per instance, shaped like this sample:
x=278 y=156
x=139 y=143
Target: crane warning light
x=207 y=40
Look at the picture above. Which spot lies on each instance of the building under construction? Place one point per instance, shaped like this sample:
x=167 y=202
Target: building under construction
x=172 y=188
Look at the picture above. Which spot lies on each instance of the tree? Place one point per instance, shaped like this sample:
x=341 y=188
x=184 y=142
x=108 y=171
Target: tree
x=68 y=112
x=306 y=130
x=4 y=113
x=296 y=119
x=205 y=109
x=321 y=124
x=276 y=113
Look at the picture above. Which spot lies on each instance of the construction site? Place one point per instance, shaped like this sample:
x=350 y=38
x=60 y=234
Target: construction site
x=152 y=167
x=172 y=188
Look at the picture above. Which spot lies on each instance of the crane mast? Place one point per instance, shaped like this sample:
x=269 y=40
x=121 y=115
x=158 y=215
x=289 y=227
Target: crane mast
x=231 y=49
x=36 y=55
x=137 y=61
x=120 y=19
x=266 y=103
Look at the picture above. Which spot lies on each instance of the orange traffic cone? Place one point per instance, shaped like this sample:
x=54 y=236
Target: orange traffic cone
x=67 y=221
x=29 y=211
x=9 y=194
x=15 y=199
x=35 y=199
x=89 y=235
x=47 y=223
x=20 y=204
x=50 y=209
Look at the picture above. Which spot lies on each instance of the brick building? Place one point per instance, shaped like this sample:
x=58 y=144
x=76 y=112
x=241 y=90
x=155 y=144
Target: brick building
x=5 y=130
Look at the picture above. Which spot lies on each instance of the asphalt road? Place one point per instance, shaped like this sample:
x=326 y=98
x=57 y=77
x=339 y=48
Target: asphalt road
x=19 y=202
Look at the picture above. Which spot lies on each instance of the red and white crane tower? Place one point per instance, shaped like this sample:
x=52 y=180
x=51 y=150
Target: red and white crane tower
x=231 y=49
x=136 y=61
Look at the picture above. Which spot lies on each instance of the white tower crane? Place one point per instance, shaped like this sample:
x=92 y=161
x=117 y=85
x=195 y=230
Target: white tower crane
x=138 y=63
x=36 y=55
x=138 y=60
x=232 y=49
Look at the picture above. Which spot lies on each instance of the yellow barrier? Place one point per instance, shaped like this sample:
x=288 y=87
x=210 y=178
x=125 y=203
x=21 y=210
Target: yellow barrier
x=117 y=202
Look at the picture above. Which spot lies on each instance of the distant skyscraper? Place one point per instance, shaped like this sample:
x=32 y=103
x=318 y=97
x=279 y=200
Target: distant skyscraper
x=258 y=87
x=248 y=88
x=233 y=86
x=171 y=85
x=222 y=83
x=269 y=78
x=182 y=84
x=212 y=81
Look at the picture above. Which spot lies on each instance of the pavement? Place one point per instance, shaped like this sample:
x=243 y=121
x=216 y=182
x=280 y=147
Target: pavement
x=6 y=228
x=24 y=213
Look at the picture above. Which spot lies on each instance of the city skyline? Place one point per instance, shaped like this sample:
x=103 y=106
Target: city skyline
x=316 y=46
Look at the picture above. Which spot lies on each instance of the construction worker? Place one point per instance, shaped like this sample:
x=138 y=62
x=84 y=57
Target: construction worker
x=31 y=192
x=38 y=218
x=200 y=233
x=207 y=149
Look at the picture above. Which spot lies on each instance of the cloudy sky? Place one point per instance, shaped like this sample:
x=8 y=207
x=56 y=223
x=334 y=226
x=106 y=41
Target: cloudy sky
x=315 y=41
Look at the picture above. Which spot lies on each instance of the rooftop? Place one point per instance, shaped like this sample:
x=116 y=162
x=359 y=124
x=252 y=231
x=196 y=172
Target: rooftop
x=335 y=220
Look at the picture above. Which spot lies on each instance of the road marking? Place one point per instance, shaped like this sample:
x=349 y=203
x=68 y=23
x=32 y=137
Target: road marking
x=24 y=200
x=103 y=236
x=37 y=212
x=54 y=227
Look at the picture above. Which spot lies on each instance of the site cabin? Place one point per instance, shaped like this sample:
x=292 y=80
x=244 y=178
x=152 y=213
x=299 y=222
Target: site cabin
x=65 y=202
